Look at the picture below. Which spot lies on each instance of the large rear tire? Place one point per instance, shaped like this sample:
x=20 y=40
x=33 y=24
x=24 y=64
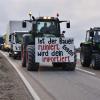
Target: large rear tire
x=31 y=65
x=85 y=56
x=69 y=66
x=10 y=54
x=23 y=59
x=14 y=56
x=95 y=63
x=66 y=66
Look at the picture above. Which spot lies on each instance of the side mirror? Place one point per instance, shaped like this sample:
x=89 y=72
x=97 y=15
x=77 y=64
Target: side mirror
x=68 y=25
x=24 y=24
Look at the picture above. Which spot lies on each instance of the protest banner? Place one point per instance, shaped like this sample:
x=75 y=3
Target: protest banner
x=51 y=49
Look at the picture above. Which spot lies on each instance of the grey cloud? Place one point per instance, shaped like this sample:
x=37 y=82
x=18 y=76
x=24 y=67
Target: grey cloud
x=82 y=13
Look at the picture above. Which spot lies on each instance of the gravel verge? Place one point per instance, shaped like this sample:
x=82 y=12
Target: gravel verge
x=11 y=86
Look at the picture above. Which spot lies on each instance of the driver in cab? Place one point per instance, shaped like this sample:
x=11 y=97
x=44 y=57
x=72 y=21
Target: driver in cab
x=44 y=29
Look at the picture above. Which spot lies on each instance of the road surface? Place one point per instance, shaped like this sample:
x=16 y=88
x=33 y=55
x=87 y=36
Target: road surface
x=55 y=84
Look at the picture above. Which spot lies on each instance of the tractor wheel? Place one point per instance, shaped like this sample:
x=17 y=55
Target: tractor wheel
x=85 y=56
x=31 y=65
x=56 y=65
x=95 y=63
x=66 y=66
x=69 y=66
x=23 y=59
x=14 y=56
x=10 y=54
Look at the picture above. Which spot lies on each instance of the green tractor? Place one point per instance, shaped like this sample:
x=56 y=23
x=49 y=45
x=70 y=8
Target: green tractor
x=42 y=31
x=90 y=49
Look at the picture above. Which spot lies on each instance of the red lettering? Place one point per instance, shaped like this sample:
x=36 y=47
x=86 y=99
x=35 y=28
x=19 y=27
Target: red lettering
x=56 y=59
x=48 y=47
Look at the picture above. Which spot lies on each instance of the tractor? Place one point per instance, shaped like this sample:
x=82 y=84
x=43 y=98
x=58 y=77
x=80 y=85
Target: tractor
x=90 y=49
x=40 y=32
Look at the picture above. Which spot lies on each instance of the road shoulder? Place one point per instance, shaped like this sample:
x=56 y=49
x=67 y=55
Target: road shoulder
x=11 y=85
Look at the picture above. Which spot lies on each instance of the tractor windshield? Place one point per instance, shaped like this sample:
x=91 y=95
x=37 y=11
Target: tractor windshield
x=18 y=37
x=97 y=36
x=48 y=28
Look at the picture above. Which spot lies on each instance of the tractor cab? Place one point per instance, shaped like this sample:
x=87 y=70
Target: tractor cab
x=46 y=26
x=93 y=35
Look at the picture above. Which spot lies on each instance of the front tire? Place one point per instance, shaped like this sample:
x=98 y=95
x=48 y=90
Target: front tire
x=31 y=65
x=14 y=56
x=85 y=56
x=10 y=54
x=95 y=63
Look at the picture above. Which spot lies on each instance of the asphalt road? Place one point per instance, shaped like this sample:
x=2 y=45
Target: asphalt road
x=55 y=84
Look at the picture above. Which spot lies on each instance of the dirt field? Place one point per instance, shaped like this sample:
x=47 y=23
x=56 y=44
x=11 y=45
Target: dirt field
x=11 y=86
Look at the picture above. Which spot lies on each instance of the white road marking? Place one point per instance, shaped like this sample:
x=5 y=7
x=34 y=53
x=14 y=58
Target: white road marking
x=78 y=57
x=85 y=71
x=29 y=87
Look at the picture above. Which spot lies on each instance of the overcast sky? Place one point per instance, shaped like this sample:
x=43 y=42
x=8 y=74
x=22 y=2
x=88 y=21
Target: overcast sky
x=82 y=14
